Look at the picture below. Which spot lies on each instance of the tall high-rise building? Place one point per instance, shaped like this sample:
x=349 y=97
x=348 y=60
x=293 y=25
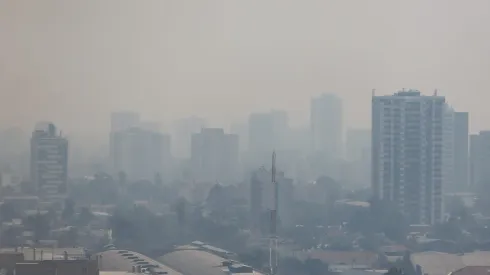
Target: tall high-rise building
x=49 y=162
x=461 y=150
x=214 y=156
x=479 y=158
x=141 y=154
x=448 y=145
x=407 y=153
x=326 y=125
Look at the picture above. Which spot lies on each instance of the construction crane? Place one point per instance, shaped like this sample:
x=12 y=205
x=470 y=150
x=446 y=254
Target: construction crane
x=273 y=220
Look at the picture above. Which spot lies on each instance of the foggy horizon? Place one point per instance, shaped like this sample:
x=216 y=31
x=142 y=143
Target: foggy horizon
x=75 y=63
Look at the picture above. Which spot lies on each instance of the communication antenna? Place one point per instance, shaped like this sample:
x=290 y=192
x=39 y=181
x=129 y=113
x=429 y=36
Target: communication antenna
x=273 y=220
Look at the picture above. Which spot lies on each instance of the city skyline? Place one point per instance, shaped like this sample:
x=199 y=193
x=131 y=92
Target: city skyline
x=247 y=137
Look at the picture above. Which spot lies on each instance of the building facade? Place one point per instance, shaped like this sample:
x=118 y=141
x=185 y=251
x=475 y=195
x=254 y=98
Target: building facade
x=461 y=151
x=214 y=156
x=49 y=162
x=407 y=153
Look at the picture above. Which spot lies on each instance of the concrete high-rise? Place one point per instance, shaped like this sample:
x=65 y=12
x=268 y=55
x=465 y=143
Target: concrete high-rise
x=214 y=156
x=461 y=150
x=326 y=125
x=49 y=162
x=479 y=158
x=141 y=154
x=407 y=153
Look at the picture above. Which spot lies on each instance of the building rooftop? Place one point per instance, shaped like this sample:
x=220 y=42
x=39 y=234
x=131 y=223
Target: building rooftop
x=358 y=258
x=409 y=92
x=48 y=253
x=436 y=263
x=195 y=262
x=113 y=261
x=118 y=273
x=472 y=270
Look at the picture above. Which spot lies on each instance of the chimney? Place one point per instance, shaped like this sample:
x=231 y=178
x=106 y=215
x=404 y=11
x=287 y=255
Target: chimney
x=34 y=254
x=65 y=255
x=134 y=269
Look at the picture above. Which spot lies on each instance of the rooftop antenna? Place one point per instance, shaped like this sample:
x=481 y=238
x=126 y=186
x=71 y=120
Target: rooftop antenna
x=273 y=220
x=435 y=92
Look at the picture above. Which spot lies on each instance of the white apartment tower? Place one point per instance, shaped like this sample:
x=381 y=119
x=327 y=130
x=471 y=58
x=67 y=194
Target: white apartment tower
x=408 y=153
x=49 y=162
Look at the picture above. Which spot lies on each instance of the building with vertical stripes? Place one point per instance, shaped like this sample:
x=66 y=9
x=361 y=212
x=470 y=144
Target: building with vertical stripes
x=407 y=153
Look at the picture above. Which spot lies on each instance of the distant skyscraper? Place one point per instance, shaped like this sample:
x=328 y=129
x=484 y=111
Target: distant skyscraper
x=49 y=162
x=141 y=154
x=480 y=158
x=407 y=153
x=214 y=156
x=461 y=150
x=326 y=124
x=183 y=130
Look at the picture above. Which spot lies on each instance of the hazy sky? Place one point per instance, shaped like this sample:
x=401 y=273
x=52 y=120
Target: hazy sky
x=73 y=62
